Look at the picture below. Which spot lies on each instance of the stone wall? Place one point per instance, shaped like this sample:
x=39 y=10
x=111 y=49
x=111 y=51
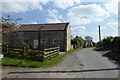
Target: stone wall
x=47 y=36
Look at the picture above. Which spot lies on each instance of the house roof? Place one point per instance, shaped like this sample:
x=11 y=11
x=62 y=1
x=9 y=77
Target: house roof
x=36 y=27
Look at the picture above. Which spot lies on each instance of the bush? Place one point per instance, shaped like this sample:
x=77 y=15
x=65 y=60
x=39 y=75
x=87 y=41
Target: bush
x=116 y=45
x=105 y=44
x=112 y=44
x=113 y=56
x=79 y=41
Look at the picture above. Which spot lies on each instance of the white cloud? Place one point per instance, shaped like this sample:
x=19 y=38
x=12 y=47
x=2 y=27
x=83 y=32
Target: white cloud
x=54 y=17
x=101 y=28
x=53 y=20
x=94 y=35
x=112 y=24
x=112 y=6
x=119 y=31
x=34 y=22
x=81 y=31
x=27 y=0
x=113 y=33
x=8 y=7
x=109 y=29
x=78 y=27
x=66 y=4
x=85 y=14
x=63 y=5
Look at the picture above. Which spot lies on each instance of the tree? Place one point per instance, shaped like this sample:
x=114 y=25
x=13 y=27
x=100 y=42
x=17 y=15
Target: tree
x=9 y=24
x=88 y=38
x=79 y=41
x=88 y=41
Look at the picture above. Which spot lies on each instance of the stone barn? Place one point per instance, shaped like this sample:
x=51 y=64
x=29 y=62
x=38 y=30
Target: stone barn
x=43 y=36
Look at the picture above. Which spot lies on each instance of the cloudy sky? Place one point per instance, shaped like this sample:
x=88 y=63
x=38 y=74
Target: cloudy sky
x=84 y=16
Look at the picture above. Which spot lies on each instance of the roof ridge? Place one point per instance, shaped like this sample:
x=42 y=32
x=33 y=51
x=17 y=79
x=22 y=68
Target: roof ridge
x=51 y=26
x=45 y=23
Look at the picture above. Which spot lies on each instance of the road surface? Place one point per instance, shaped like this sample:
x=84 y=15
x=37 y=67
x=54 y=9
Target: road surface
x=95 y=61
x=84 y=63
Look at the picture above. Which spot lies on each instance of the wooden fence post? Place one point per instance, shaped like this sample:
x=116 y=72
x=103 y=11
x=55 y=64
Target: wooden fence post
x=58 y=49
x=42 y=54
x=25 y=52
x=7 y=48
x=23 y=55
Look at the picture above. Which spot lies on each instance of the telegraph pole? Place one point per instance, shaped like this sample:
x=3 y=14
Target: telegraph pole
x=99 y=33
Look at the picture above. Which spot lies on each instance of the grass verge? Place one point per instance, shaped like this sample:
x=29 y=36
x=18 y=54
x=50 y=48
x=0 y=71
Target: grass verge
x=73 y=50
x=26 y=63
x=113 y=56
x=99 y=49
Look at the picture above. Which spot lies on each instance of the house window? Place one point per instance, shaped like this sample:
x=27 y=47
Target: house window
x=55 y=41
x=43 y=41
x=24 y=41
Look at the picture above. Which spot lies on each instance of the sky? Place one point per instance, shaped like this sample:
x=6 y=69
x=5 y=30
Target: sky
x=84 y=15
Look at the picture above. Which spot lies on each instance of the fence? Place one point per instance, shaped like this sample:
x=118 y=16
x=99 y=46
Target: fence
x=28 y=54
x=50 y=52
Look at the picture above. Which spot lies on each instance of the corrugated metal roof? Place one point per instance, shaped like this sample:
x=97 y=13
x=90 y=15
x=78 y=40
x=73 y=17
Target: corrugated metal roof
x=36 y=27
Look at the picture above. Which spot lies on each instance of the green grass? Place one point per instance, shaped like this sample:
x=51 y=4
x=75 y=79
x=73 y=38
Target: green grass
x=26 y=63
x=73 y=50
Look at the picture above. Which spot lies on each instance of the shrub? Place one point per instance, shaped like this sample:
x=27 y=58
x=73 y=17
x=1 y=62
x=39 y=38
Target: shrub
x=112 y=44
x=79 y=41
x=113 y=56
x=116 y=45
x=105 y=44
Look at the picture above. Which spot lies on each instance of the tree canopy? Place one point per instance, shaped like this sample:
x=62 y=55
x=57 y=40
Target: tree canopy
x=8 y=22
x=79 y=41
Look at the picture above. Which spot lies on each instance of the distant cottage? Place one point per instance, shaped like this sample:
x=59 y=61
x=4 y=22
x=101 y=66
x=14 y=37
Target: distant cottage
x=43 y=36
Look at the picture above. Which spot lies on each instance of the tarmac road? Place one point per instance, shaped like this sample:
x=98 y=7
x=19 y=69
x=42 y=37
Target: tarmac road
x=94 y=62
x=84 y=63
